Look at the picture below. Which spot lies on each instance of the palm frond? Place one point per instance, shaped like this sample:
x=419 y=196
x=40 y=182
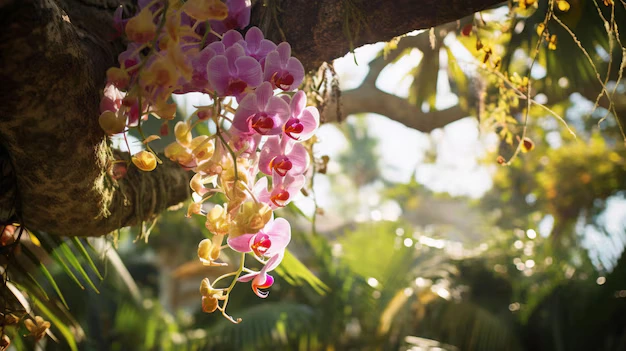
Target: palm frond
x=267 y=326
x=297 y=274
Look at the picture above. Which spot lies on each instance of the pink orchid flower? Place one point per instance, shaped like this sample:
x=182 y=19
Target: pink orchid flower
x=284 y=189
x=199 y=76
x=304 y=120
x=255 y=44
x=269 y=241
x=244 y=143
x=282 y=70
x=262 y=280
x=283 y=156
x=261 y=111
x=232 y=73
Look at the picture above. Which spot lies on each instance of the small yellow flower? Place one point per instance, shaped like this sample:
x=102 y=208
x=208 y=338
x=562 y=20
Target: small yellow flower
x=210 y=296
x=524 y=4
x=37 y=328
x=182 y=131
x=527 y=145
x=251 y=217
x=118 y=76
x=141 y=28
x=209 y=251
x=563 y=5
x=218 y=220
x=161 y=73
x=203 y=10
x=203 y=148
x=178 y=153
x=552 y=42
x=540 y=29
x=145 y=160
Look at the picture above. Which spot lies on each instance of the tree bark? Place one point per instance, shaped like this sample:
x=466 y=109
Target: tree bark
x=53 y=59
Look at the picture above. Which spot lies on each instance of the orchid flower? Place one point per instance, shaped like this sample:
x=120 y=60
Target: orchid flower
x=283 y=157
x=282 y=70
x=199 y=76
x=303 y=121
x=269 y=241
x=232 y=73
x=255 y=44
x=284 y=189
x=262 y=112
x=262 y=280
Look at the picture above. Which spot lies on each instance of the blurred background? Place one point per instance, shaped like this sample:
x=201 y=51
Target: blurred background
x=415 y=238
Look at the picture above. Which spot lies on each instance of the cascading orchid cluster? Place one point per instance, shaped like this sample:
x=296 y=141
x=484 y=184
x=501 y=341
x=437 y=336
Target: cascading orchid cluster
x=194 y=46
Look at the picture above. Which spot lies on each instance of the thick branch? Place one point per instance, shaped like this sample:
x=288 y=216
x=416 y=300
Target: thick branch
x=319 y=31
x=369 y=99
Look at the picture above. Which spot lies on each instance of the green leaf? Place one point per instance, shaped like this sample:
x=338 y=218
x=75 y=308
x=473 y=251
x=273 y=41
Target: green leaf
x=55 y=255
x=32 y=280
x=83 y=252
x=73 y=260
x=296 y=273
x=45 y=272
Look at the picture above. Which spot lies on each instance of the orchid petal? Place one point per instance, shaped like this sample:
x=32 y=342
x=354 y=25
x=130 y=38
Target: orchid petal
x=297 y=104
x=279 y=108
x=299 y=158
x=279 y=232
x=270 y=150
x=231 y=37
x=295 y=68
x=248 y=277
x=310 y=120
x=247 y=107
x=273 y=262
x=254 y=36
x=284 y=52
x=272 y=65
x=241 y=243
x=249 y=71
x=219 y=73
x=264 y=93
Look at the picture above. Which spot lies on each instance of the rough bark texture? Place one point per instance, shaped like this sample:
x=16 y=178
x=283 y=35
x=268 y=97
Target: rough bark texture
x=323 y=30
x=52 y=72
x=53 y=58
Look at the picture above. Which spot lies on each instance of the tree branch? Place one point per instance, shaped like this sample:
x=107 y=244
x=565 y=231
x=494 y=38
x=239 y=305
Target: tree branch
x=369 y=99
x=320 y=31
